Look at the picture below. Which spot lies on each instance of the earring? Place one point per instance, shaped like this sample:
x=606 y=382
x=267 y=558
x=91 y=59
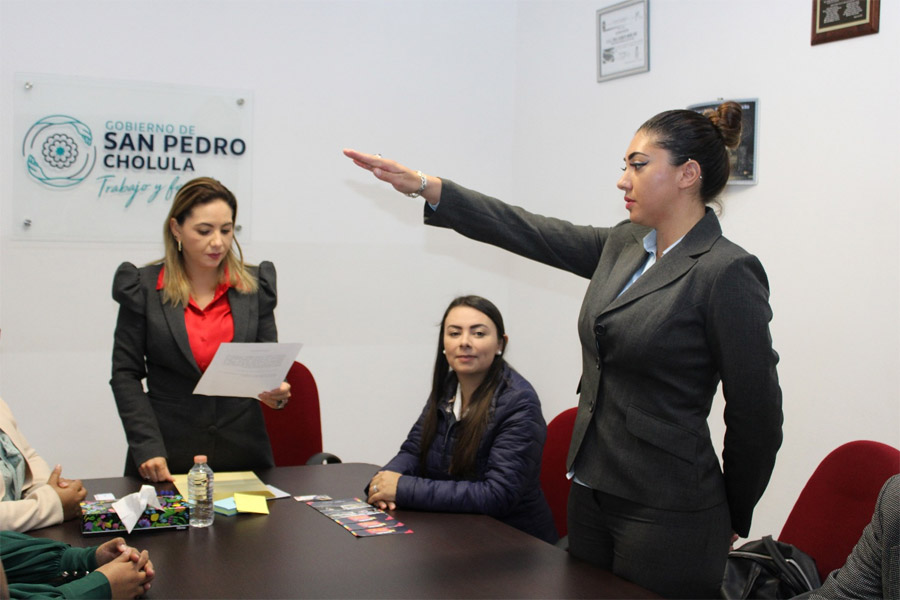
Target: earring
x=443 y=352
x=179 y=245
x=499 y=352
x=698 y=164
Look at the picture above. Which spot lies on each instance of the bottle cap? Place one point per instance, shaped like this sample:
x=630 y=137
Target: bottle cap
x=200 y=458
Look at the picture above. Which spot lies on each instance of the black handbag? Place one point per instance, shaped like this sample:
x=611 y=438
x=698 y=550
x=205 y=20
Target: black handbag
x=768 y=569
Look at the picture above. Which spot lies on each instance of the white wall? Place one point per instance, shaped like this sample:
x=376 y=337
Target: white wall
x=501 y=96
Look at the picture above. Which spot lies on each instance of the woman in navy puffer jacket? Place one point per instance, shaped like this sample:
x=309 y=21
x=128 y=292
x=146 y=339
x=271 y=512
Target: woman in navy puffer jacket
x=477 y=445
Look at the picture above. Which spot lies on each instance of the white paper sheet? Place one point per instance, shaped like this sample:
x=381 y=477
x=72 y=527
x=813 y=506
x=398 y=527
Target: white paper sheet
x=247 y=370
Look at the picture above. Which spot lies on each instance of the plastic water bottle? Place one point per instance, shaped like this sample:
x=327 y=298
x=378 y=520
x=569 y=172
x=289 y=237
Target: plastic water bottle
x=200 y=493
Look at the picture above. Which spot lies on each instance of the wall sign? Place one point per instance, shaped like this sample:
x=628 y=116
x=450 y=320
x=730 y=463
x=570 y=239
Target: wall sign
x=101 y=160
x=834 y=20
x=744 y=157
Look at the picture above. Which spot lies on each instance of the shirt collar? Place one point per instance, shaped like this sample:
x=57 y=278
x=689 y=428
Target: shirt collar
x=650 y=243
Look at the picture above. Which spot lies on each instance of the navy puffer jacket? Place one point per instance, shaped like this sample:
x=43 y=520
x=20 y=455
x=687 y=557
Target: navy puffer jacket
x=508 y=464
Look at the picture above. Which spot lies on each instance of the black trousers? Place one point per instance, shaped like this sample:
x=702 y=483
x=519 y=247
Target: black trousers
x=677 y=554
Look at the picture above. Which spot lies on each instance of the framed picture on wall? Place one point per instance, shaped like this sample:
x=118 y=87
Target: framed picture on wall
x=743 y=158
x=623 y=40
x=834 y=20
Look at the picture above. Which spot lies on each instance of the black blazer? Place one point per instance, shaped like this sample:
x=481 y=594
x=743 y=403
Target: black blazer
x=653 y=357
x=151 y=343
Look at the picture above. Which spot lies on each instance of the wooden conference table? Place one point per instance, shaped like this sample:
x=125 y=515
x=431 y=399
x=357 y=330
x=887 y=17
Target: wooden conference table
x=296 y=552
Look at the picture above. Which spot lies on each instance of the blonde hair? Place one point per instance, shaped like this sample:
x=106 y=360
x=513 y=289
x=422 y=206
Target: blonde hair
x=176 y=283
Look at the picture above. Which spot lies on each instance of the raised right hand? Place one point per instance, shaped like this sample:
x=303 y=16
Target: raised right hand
x=156 y=469
x=402 y=178
x=70 y=491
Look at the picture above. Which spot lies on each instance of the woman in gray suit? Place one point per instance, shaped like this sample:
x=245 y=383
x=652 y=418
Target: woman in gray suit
x=172 y=317
x=672 y=309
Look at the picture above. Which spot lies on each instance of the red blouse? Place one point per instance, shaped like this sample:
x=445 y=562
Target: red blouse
x=207 y=327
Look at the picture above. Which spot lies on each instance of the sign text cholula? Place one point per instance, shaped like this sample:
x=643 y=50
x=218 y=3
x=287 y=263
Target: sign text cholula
x=165 y=152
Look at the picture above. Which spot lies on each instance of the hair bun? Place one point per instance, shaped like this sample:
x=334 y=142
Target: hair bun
x=727 y=119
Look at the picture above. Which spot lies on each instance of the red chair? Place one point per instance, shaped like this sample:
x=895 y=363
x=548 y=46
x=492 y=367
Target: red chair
x=554 y=482
x=295 y=431
x=838 y=501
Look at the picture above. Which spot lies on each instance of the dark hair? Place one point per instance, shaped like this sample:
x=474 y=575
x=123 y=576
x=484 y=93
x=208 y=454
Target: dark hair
x=705 y=137
x=473 y=423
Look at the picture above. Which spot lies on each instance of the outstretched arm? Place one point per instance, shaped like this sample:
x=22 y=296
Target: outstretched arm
x=551 y=241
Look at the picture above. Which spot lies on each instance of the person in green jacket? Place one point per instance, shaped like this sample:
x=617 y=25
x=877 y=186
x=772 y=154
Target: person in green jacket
x=33 y=567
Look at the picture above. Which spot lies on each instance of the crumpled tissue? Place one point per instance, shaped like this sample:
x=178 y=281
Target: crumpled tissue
x=130 y=508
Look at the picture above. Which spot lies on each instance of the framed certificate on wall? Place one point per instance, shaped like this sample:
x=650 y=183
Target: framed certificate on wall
x=623 y=40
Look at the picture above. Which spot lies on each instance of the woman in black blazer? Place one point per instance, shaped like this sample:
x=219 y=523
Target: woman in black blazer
x=672 y=309
x=172 y=317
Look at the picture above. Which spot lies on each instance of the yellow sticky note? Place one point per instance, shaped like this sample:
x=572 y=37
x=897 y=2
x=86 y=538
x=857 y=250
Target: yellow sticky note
x=228 y=483
x=251 y=503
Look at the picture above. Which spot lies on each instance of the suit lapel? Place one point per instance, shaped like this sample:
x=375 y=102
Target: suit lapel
x=674 y=264
x=629 y=260
x=240 y=313
x=175 y=319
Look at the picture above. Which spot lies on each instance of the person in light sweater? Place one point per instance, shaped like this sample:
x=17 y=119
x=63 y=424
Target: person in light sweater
x=32 y=495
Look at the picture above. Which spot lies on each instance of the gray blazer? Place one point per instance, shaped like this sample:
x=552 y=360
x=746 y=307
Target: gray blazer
x=653 y=357
x=873 y=568
x=151 y=342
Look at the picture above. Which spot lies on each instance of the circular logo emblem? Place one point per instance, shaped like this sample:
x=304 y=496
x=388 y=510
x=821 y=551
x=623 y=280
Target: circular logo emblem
x=59 y=151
